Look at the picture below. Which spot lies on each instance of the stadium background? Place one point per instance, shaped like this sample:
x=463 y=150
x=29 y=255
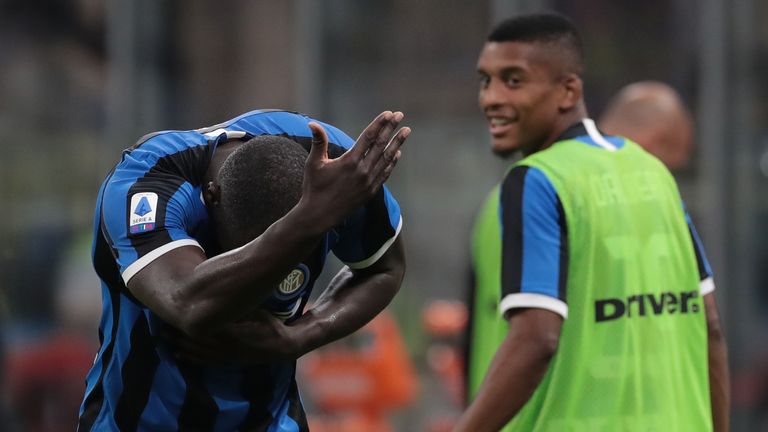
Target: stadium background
x=82 y=79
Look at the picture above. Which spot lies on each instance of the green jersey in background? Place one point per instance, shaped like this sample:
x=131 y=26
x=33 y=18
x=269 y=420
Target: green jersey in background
x=593 y=229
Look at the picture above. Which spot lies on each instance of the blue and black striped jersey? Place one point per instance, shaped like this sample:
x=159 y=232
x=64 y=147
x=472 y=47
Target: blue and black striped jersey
x=152 y=203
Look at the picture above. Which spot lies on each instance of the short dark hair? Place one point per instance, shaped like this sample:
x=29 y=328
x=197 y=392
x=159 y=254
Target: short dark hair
x=260 y=182
x=544 y=28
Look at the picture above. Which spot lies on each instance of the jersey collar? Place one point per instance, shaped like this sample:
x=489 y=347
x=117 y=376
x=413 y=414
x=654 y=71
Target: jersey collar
x=575 y=130
x=586 y=130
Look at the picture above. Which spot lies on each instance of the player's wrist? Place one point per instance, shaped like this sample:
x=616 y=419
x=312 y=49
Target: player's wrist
x=308 y=218
x=306 y=334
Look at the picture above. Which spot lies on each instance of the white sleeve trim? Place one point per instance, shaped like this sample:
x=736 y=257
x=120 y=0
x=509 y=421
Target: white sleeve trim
x=530 y=300
x=375 y=257
x=707 y=286
x=142 y=262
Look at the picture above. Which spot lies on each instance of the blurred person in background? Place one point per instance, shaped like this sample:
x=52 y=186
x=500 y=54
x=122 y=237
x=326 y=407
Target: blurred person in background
x=208 y=243
x=612 y=320
x=45 y=374
x=653 y=115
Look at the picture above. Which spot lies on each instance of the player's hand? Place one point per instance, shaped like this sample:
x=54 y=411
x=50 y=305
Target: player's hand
x=334 y=187
x=263 y=339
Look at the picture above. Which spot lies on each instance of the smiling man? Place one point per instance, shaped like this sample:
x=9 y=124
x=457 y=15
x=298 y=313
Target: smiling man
x=612 y=319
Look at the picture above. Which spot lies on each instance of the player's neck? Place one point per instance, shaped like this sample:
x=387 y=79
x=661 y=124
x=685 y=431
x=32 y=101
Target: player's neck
x=223 y=150
x=563 y=123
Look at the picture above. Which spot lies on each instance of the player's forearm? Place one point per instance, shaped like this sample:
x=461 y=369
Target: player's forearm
x=719 y=377
x=350 y=301
x=515 y=371
x=719 y=382
x=226 y=287
x=512 y=378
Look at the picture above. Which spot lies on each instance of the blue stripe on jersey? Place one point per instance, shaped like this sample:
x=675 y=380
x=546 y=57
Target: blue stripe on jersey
x=541 y=236
x=618 y=142
x=115 y=210
x=284 y=123
x=393 y=208
x=281 y=403
x=106 y=329
x=225 y=387
x=184 y=212
x=164 y=413
x=698 y=247
x=284 y=423
x=113 y=382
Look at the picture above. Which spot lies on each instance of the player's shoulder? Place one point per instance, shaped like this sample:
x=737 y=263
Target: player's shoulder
x=264 y=121
x=525 y=173
x=292 y=124
x=526 y=181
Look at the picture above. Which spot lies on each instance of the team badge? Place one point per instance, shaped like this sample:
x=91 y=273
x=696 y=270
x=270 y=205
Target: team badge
x=143 y=217
x=294 y=282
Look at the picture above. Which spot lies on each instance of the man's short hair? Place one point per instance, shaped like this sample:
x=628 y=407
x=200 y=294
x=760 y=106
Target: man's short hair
x=260 y=182
x=544 y=28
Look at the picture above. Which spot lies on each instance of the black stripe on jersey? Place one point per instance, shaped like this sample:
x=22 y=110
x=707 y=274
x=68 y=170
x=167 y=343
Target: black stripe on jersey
x=573 y=131
x=95 y=400
x=699 y=257
x=258 y=389
x=295 y=409
x=377 y=217
x=108 y=271
x=562 y=278
x=138 y=372
x=512 y=230
x=199 y=411
x=165 y=179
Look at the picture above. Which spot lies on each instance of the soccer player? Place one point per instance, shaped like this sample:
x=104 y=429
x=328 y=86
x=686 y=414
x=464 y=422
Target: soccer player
x=220 y=233
x=653 y=115
x=612 y=320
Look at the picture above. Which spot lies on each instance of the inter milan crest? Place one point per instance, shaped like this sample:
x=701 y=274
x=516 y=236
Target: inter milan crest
x=287 y=298
x=143 y=213
x=294 y=282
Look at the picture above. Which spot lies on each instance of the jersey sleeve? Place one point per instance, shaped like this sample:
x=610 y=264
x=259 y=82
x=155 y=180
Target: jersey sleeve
x=706 y=281
x=148 y=217
x=534 y=243
x=364 y=236
x=368 y=233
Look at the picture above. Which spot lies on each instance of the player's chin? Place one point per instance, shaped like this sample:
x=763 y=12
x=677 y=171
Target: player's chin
x=504 y=146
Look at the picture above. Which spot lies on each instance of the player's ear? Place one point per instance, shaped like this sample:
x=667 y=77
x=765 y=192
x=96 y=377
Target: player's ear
x=212 y=194
x=573 y=89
